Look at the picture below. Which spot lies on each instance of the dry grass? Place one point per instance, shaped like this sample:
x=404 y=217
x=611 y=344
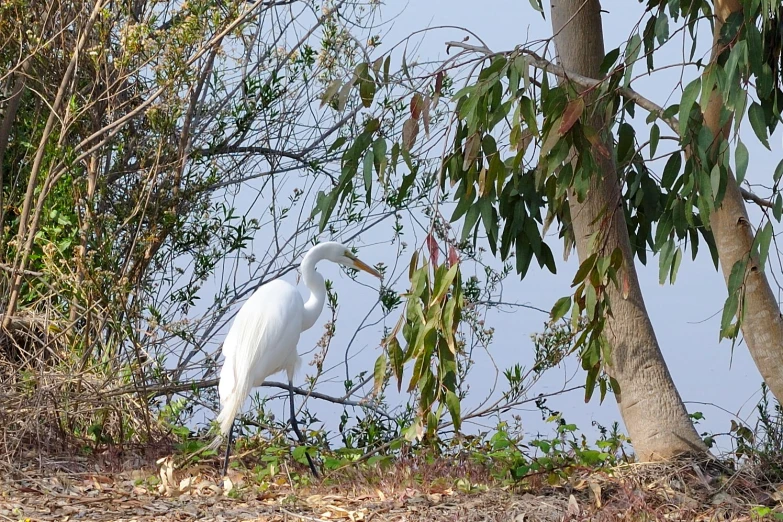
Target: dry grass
x=53 y=410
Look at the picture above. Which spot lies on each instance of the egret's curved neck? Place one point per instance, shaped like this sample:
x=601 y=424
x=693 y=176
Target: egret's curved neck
x=315 y=283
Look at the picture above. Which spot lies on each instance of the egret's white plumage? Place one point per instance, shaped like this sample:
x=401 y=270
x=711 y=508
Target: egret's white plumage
x=271 y=318
x=263 y=337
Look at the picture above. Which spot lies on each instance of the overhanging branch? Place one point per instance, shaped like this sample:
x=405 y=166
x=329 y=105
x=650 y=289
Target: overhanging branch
x=590 y=83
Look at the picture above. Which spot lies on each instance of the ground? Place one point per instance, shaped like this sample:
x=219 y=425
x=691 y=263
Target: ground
x=682 y=491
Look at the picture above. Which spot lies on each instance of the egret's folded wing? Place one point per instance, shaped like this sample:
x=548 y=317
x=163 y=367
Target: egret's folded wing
x=263 y=336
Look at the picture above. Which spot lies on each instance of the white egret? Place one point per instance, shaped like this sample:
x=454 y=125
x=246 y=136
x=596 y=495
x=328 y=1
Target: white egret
x=263 y=337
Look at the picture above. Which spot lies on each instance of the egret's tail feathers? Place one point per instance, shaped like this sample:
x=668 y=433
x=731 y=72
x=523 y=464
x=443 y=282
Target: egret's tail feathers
x=229 y=412
x=230 y=406
x=215 y=444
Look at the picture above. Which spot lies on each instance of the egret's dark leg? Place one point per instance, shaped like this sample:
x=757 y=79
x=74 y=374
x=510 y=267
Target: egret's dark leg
x=228 y=450
x=295 y=426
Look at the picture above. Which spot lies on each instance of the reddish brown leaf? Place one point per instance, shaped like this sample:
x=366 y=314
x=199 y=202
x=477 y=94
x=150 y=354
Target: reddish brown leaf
x=453 y=256
x=438 y=82
x=409 y=131
x=572 y=113
x=524 y=140
x=595 y=141
x=417 y=104
x=432 y=246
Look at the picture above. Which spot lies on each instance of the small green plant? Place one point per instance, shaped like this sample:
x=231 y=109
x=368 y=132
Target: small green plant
x=762 y=445
x=765 y=513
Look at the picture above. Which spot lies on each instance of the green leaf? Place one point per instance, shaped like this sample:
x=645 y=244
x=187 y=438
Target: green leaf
x=755 y=48
x=764 y=237
x=671 y=170
x=632 y=51
x=662 y=28
x=655 y=136
x=625 y=142
x=675 y=265
x=463 y=205
x=584 y=269
x=737 y=53
x=561 y=308
x=368 y=165
x=778 y=172
x=452 y=403
x=686 y=103
x=729 y=311
x=327 y=208
x=330 y=91
x=715 y=179
x=665 y=260
x=609 y=60
x=443 y=283
x=591 y=299
x=379 y=156
x=380 y=373
x=738 y=102
x=449 y=323
x=741 y=161
x=524 y=254
x=396 y=357
x=339 y=142
x=470 y=221
x=367 y=91
x=536 y=4
x=737 y=276
x=527 y=108
x=590 y=380
x=757 y=122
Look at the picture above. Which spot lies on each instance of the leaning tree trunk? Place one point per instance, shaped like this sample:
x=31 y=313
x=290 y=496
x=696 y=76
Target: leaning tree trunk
x=650 y=405
x=762 y=325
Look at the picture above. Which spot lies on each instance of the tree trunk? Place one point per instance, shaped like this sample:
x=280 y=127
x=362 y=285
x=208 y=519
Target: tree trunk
x=762 y=325
x=650 y=405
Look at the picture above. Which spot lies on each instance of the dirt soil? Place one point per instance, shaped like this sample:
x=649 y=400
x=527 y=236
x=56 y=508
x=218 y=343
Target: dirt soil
x=652 y=492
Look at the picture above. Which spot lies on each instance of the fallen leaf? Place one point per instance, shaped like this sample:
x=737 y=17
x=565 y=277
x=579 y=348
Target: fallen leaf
x=168 y=486
x=573 y=506
x=228 y=485
x=595 y=488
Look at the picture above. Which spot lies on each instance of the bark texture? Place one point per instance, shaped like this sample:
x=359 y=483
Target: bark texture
x=762 y=326
x=650 y=405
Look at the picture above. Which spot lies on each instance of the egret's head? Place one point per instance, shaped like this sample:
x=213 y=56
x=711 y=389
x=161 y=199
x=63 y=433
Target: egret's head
x=342 y=255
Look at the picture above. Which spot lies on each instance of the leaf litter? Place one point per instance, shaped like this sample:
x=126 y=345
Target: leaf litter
x=683 y=491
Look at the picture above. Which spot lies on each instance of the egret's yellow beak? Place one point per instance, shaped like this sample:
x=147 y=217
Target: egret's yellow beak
x=361 y=265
